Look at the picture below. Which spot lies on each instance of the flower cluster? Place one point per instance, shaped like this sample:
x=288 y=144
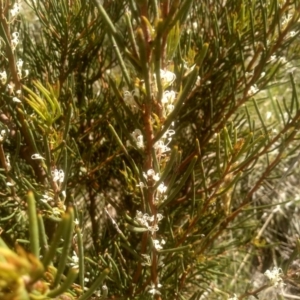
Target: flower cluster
x=161 y=146
x=158 y=245
x=148 y=221
x=151 y=175
x=14 y=40
x=58 y=176
x=154 y=289
x=275 y=279
x=37 y=156
x=14 y=12
x=160 y=195
x=138 y=138
x=167 y=78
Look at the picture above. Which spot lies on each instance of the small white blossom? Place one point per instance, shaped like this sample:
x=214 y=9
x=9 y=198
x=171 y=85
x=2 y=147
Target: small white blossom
x=3 y=77
x=161 y=146
x=275 y=279
x=63 y=193
x=168 y=97
x=148 y=221
x=45 y=198
x=11 y=87
x=160 y=193
x=162 y=188
x=37 y=156
x=151 y=175
x=233 y=298
x=159 y=217
x=146 y=260
x=158 y=245
x=154 y=290
x=272 y=58
x=138 y=138
x=58 y=175
x=15 y=10
x=19 y=67
x=2 y=135
x=268 y=115
x=75 y=260
x=129 y=99
x=14 y=40
x=253 y=90
x=167 y=101
x=17 y=100
x=167 y=78
x=26 y=73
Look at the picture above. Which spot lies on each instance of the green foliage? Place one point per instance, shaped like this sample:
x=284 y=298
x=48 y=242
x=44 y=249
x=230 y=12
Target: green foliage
x=141 y=144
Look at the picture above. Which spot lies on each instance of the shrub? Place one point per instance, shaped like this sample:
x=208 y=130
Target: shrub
x=142 y=142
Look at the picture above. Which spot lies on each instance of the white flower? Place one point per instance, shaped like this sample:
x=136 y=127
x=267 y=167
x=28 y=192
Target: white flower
x=75 y=260
x=168 y=100
x=3 y=77
x=253 y=90
x=17 y=100
x=233 y=298
x=138 y=138
x=272 y=58
x=2 y=135
x=167 y=78
x=19 y=67
x=11 y=87
x=162 y=145
x=148 y=221
x=158 y=245
x=45 y=198
x=58 y=175
x=275 y=279
x=268 y=115
x=15 y=10
x=26 y=73
x=129 y=99
x=151 y=175
x=159 y=217
x=159 y=197
x=14 y=40
x=154 y=290
x=168 y=97
x=162 y=188
x=36 y=156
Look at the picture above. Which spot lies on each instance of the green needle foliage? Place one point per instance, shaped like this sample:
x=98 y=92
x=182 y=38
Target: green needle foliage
x=149 y=149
